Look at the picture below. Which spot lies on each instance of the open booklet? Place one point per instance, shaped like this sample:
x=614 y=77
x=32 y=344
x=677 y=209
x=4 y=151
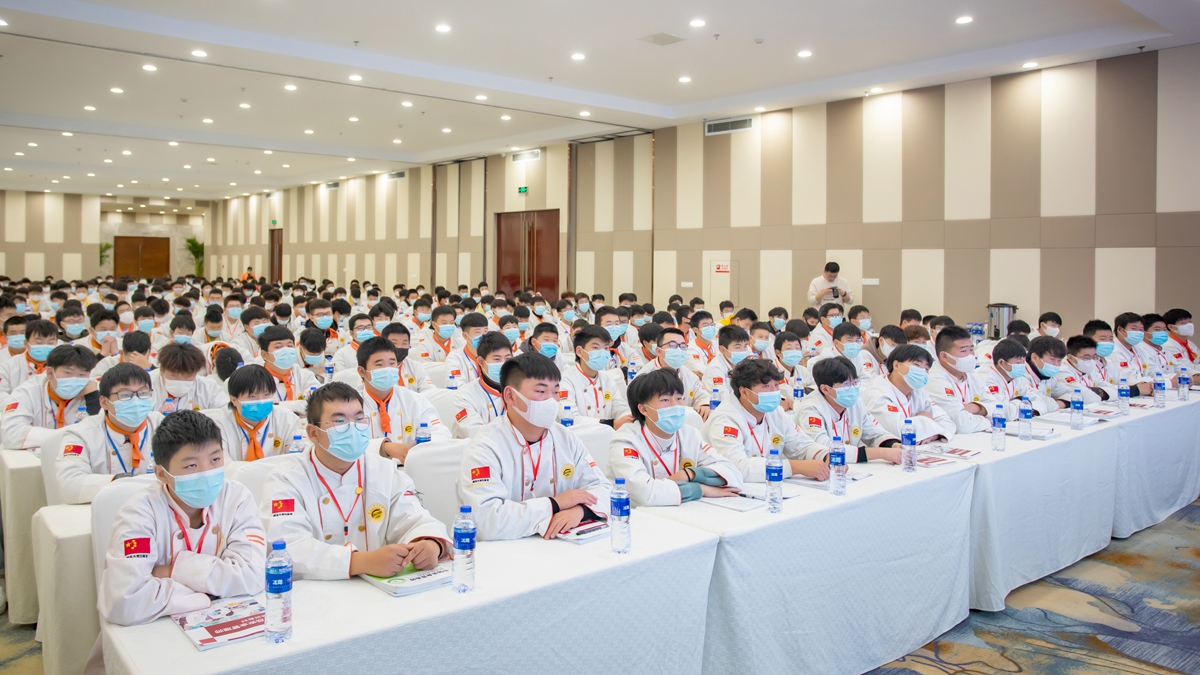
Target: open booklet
x=585 y=532
x=852 y=474
x=411 y=580
x=225 y=621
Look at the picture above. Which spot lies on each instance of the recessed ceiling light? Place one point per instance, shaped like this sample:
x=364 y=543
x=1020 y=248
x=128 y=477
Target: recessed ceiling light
x=179 y=189
x=585 y=114
x=189 y=208
x=243 y=105
x=685 y=79
x=356 y=78
x=287 y=166
x=187 y=166
x=120 y=185
x=67 y=133
x=396 y=141
x=172 y=143
x=505 y=118
x=268 y=152
x=804 y=54
x=165 y=180
x=54 y=181
x=3 y=22
x=876 y=90
x=66 y=178
x=341 y=178
x=108 y=161
x=697 y=23
x=117 y=90
x=20 y=154
x=126 y=152
x=206 y=121
x=578 y=57
x=353 y=119
x=290 y=87
x=133 y=181
x=175 y=210
x=480 y=97
x=245 y=194
x=48 y=190
x=442 y=28
x=163 y=212
x=311 y=182
x=195 y=186
x=349 y=159
x=8 y=168
x=233 y=183
x=199 y=52
x=964 y=19
x=257 y=171
x=91 y=175
x=406 y=104
x=1029 y=64
x=89 y=108
x=32 y=145
x=149 y=68
x=760 y=109
x=212 y=159
x=446 y=130
x=308 y=131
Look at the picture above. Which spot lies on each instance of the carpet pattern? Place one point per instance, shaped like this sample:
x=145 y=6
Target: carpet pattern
x=1131 y=609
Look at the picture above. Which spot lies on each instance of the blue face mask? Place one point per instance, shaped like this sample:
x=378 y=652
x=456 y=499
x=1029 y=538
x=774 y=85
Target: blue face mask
x=864 y=324
x=761 y=346
x=539 y=309
x=446 y=330
x=1104 y=348
x=737 y=357
x=846 y=396
x=916 y=377
x=285 y=358
x=313 y=359
x=21 y=307
x=671 y=418
x=1016 y=370
x=475 y=342
x=54 y=305
x=383 y=379
x=16 y=341
x=834 y=321
x=597 y=359
x=1049 y=370
x=74 y=330
x=256 y=411
x=182 y=339
x=40 y=352
x=778 y=323
x=791 y=357
x=708 y=332
x=512 y=334
x=584 y=306
x=1134 y=336
x=213 y=333
x=424 y=317
x=568 y=315
x=200 y=490
x=380 y=325
x=851 y=349
x=458 y=320
x=68 y=388
x=639 y=322
x=675 y=357
x=616 y=331
x=133 y=412
x=102 y=335
x=364 y=335
x=146 y=325
x=107 y=305
x=324 y=322
x=1159 y=337
x=348 y=444
x=523 y=325
x=493 y=371
x=234 y=312
x=258 y=329
x=768 y=401
x=548 y=350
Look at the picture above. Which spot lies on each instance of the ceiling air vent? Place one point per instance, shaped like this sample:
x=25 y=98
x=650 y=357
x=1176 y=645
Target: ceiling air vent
x=728 y=126
x=662 y=39
x=332 y=184
x=396 y=174
x=527 y=155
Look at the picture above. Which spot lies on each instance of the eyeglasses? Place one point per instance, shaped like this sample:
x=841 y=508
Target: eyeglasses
x=143 y=394
x=674 y=345
x=361 y=423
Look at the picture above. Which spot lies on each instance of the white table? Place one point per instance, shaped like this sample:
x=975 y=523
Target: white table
x=538 y=607
x=1158 y=464
x=22 y=493
x=837 y=584
x=66 y=585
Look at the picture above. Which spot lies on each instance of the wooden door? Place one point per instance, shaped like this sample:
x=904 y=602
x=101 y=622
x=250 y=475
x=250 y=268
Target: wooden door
x=510 y=252
x=527 y=252
x=144 y=257
x=543 y=254
x=275 y=257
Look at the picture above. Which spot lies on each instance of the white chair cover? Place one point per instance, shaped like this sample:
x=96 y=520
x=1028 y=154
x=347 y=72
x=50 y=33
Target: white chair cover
x=104 y=511
x=595 y=437
x=434 y=468
x=436 y=372
x=50 y=452
x=350 y=376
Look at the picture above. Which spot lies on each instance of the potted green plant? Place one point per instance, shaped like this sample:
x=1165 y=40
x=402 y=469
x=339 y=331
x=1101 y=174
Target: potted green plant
x=195 y=249
x=105 y=253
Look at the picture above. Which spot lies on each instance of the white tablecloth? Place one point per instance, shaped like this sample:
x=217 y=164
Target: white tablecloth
x=1158 y=465
x=538 y=607
x=22 y=493
x=62 y=552
x=837 y=584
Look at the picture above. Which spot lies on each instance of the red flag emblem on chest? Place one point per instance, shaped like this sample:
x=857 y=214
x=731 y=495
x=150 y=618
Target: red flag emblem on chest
x=1124 y=364
x=893 y=409
x=461 y=415
x=73 y=450
x=137 y=548
x=283 y=507
x=481 y=473
x=731 y=432
x=630 y=452
x=718 y=380
x=11 y=407
x=814 y=421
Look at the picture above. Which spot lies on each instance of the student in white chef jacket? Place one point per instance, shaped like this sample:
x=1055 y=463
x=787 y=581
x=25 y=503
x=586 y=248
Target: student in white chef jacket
x=177 y=383
x=848 y=342
x=462 y=360
x=12 y=339
x=1179 y=323
x=1154 y=353
x=1124 y=362
x=361 y=330
x=396 y=412
x=820 y=337
x=49 y=401
x=953 y=385
x=188 y=536
x=664 y=461
x=480 y=402
x=900 y=395
x=733 y=345
x=671 y=355
x=835 y=409
x=702 y=348
x=442 y=337
x=293 y=381
x=1081 y=370
x=1107 y=375
x=135 y=349
x=1046 y=354
x=526 y=474
x=412 y=373
x=115 y=443
x=342 y=508
x=252 y=426
x=41 y=337
x=746 y=427
x=254 y=321
x=1005 y=381
x=792 y=360
x=590 y=389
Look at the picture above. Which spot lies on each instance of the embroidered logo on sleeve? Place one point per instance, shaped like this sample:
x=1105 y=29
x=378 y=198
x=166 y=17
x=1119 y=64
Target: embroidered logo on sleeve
x=814 y=421
x=706 y=447
x=11 y=407
x=481 y=474
x=456 y=372
x=993 y=389
x=893 y=409
x=730 y=432
x=630 y=452
x=1124 y=364
x=73 y=450
x=460 y=415
x=949 y=391
x=137 y=548
x=718 y=380
x=283 y=507
x=562 y=394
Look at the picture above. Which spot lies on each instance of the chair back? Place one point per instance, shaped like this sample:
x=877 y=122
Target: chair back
x=436 y=372
x=434 y=469
x=350 y=376
x=254 y=474
x=443 y=401
x=105 y=506
x=693 y=419
x=51 y=450
x=595 y=438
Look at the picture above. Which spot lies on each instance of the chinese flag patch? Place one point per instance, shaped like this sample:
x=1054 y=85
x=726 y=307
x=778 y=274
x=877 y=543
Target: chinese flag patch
x=481 y=474
x=630 y=452
x=1124 y=364
x=283 y=507
x=814 y=421
x=731 y=432
x=562 y=394
x=137 y=548
x=1070 y=379
x=949 y=392
x=11 y=407
x=460 y=415
x=893 y=409
x=718 y=380
x=73 y=450
x=456 y=372
x=994 y=389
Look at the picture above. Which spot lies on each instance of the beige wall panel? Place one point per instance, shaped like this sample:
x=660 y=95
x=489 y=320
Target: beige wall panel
x=451 y=191
x=883 y=158
x=342 y=197
x=556 y=158
x=666 y=192
x=14 y=216
x=776 y=171
x=775 y=280
x=89 y=224
x=1015 y=277
x=717 y=180
x=689 y=176
x=306 y=205
x=1068 y=286
x=35 y=265
x=809 y=165
x=623 y=187
x=390 y=276
x=603 y=177
x=287 y=267
x=585 y=195
x=401 y=195
x=1016 y=145
x=1116 y=292
x=924 y=150
x=806 y=266
x=1177 y=229
x=881 y=236
x=369 y=272
x=379 y=197
x=967 y=234
x=1069 y=140
x=514 y=177
x=1068 y=232
x=966 y=301
x=886 y=267
x=439 y=276
x=665 y=278
x=292 y=221
x=851 y=262
x=1016 y=232
x=622 y=273
x=414 y=270
x=923 y=280
x=72 y=266
x=315 y=272
x=1178 y=130
x=844 y=161
x=923 y=234
x=425 y=208
x=717 y=285
x=745 y=176
x=744 y=287
x=643 y=182
x=1126 y=131
x=323 y=197
x=464 y=268
x=1135 y=229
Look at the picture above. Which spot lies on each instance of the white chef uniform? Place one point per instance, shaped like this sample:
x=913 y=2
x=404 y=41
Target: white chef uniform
x=601 y=398
x=204 y=394
x=647 y=462
x=855 y=426
x=952 y=395
x=475 y=405
x=33 y=414
x=890 y=407
x=274 y=434
x=93 y=452
x=404 y=411
x=732 y=432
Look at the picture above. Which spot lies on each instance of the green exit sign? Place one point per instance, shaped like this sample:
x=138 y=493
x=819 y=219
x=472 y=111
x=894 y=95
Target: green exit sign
x=522 y=190
x=272 y=221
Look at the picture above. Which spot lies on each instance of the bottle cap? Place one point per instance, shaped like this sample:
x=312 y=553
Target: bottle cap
x=837 y=439
x=774 y=453
x=620 y=481
x=464 y=509
x=907 y=421
x=278 y=545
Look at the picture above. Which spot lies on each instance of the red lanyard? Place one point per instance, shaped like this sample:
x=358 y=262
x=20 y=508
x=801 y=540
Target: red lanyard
x=187 y=542
x=595 y=389
x=536 y=468
x=962 y=391
x=357 y=496
x=658 y=456
x=761 y=452
x=907 y=414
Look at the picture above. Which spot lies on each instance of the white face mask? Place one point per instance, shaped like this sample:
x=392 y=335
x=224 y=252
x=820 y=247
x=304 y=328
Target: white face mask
x=178 y=388
x=1086 y=367
x=886 y=349
x=1052 y=331
x=126 y=317
x=1185 y=330
x=963 y=364
x=540 y=413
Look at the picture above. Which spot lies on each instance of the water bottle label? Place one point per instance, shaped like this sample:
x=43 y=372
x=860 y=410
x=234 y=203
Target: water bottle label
x=567 y=421
x=279 y=581
x=1123 y=393
x=1077 y=405
x=774 y=474
x=464 y=540
x=1027 y=414
x=999 y=422
x=713 y=403
x=1160 y=386
x=619 y=507
x=909 y=438
x=837 y=458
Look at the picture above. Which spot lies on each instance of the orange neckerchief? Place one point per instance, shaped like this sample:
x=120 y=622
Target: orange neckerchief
x=385 y=419
x=37 y=367
x=132 y=438
x=1184 y=343
x=254 y=450
x=60 y=415
x=444 y=345
x=708 y=351
x=286 y=380
x=95 y=344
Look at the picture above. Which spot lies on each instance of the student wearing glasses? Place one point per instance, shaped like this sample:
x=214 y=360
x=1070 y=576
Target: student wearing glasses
x=671 y=353
x=114 y=444
x=341 y=507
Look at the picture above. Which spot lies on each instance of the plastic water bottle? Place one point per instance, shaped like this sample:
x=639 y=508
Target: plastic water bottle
x=798 y=388
x=999 y=428
x=328 y=369
x=451 y=381
x=1160 y=391
x=908 y=446
x=1123 y=396
x=568 y=416
x=1184 y=383
x=1077 y=410
x=1025 y=423
x=632 y=371
x=296 y=446
x=278 y=622
x=618 y=517
x=81 y=413
x=168 y=406
x=423 y=433
x=837 y=468
x=714 y=401
x=774 y=482
x=462 y=570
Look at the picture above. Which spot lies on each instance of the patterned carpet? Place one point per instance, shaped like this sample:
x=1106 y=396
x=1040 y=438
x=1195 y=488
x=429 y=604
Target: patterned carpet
x=1131 y=609
x=20 y=654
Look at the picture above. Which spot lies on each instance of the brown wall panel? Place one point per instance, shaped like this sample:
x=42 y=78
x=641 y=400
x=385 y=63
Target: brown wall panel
x=843 y=162
x=883 y=300
x=1017 y=145
x=623 y=185
x=717 y=181
x=665 y=178
x=1169 y=292
x=1069 y=286
x=967 y=301
x=1127 y=133
x=924 y=159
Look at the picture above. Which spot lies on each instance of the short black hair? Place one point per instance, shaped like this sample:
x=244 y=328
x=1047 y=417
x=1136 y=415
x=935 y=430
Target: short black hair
x=178 y=358
x=250 y=379
x=1078 y=343
x=731 y=334
x=329 y=393
x=226 y=362
x=1125 y=318
x=856 y=310
x=1151 y=319
x=180 y=429
x=274 y=334
x=834 y=371
x=948 y=335
x=543 y=328
x=1007 y=350
x=102 y=315
x=373 y=346
x=1174 y=316
x=528 y=365
x=906 y=354
x=1050 y=316
x=832 y=267
x=182 y=320
x=253 y=313
x=650 y=385
x=649 y=333
x=122 y=373
x=135 y=341
x=894 y=333
x=492 y=341
x=846 y=328
x=799 y=327
x=359 y=317
x=751 y=372
x=589 y=333
x=785 y=337
x=698 y=316
x=746 y=313
x=71 y=355
x=473 y=320
x=1018 y=326
x=1044 y=345
x=1095 y=325
x=313 y=340
x=827 y=308
x=910 y=315
x=662 y=335
x=941 y=321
